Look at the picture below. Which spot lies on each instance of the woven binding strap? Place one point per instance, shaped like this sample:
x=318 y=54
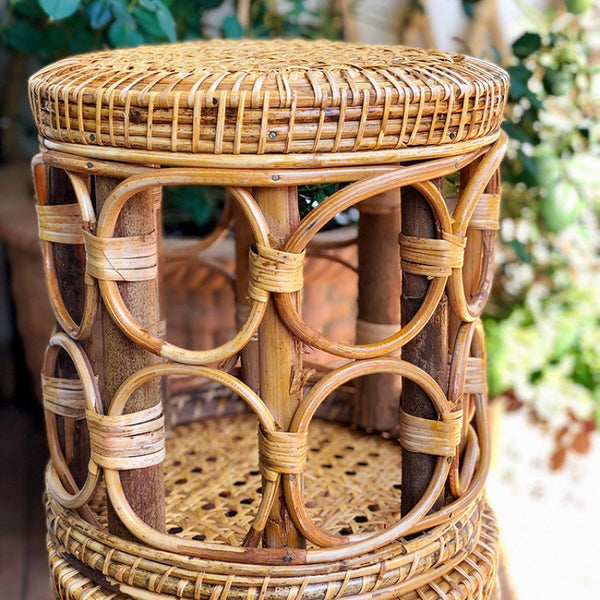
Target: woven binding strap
x=475 y=379
x=64 y=397
x=425 y=436
x=487 y=213
x=131 y=258
x=431 y=257
x=60 y=223
x=273 y=270
x=281 y=452
x=124 y=442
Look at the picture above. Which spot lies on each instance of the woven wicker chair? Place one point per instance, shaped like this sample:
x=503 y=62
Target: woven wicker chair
x=278 y=477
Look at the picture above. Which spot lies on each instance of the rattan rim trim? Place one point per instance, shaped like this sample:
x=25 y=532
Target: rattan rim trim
x=263 y=161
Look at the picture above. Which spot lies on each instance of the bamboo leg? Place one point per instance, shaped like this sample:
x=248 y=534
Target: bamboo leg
x=70 y=267
x=280 y=358
x=243 y=240
x=378 y=304
x=428 y=350
x=144 y=488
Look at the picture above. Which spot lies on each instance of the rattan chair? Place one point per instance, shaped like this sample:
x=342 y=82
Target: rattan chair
x=250 y=470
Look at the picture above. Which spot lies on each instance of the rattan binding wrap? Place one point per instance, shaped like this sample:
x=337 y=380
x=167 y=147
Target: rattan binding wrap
x=264 y=97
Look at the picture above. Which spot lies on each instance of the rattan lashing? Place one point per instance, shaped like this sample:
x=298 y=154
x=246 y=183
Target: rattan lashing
x=275 y=503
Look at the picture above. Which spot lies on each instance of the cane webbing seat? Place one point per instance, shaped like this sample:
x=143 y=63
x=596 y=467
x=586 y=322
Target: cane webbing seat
x=257 y=97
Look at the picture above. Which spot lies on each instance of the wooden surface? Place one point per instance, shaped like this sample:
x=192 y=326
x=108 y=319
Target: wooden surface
x=23 y=558
x=428 y=350
x=280 y=357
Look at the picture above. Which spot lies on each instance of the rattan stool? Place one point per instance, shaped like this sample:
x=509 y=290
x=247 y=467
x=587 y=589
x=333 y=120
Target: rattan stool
x=293 y=465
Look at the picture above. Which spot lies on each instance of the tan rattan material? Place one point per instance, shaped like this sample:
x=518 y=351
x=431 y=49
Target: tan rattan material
x=262 y=97
x=243 y=470
x=209 y=495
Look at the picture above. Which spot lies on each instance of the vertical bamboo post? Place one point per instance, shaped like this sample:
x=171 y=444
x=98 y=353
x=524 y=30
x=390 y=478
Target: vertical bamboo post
x=243 y=240
x=280 y=357
x=428 y=350
x=379 y=284
x=144 y=488
x=70 y=268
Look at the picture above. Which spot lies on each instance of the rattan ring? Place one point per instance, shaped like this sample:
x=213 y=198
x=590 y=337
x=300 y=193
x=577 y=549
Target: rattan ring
x=170 y=542
x=59 y=471
x=110 y=291
x=83 y=329
x=302 y=418
x=471 y=309
x=343 y=199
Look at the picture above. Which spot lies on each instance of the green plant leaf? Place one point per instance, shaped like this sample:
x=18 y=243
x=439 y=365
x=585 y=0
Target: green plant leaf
x=519 y=76
x=232 y=28
x=59 y=9
x=560 y=206
x=28 y=8
x=22 y=36
x=124 y=35
x=527 y=44
x=578 y=6
x=515 y=132
x=99 y=13
x=120 y=12
x=156 y=19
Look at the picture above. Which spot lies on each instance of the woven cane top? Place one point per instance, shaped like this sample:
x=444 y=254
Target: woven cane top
x=267 y=97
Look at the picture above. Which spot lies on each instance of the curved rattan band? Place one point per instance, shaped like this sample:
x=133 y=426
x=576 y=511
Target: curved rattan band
x=487 y=213
x=131 y=258
x=130 y=441
x=431 y=257
x=273 y=270
x=475 y=379
x=60 y=223
x=425 y=436
x=281 y=452
x=63 y=397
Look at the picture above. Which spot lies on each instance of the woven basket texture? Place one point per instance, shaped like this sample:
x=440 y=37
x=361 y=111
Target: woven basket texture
x=261 y=97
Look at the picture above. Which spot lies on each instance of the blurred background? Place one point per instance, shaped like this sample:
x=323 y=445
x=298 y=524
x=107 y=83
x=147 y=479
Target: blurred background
x=542 y=322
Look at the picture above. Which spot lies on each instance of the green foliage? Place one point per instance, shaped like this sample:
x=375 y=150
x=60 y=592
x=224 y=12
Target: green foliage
x=544 y=318
x=59 y=9
x=52 y=29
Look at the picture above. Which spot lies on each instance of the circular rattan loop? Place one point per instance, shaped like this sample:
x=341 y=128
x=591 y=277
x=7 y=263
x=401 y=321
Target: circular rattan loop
x=300 y=424
x=471 y=309
x=87 y=219
x=155 y=538
x=343 y=199
x=59 y=474
x=110 y=291
x=465 y=379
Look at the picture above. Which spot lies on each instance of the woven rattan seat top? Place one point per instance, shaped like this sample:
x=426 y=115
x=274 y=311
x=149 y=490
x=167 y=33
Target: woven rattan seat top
x=266 y=97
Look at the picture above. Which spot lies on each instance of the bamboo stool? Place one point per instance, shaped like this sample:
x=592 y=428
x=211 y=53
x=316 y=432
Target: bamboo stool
x=277 y=478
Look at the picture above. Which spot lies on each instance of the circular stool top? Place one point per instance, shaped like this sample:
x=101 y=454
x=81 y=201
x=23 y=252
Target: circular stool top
x=266 y=97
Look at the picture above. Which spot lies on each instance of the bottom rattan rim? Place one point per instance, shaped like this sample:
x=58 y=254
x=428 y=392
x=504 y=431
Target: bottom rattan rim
x=471 y=577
